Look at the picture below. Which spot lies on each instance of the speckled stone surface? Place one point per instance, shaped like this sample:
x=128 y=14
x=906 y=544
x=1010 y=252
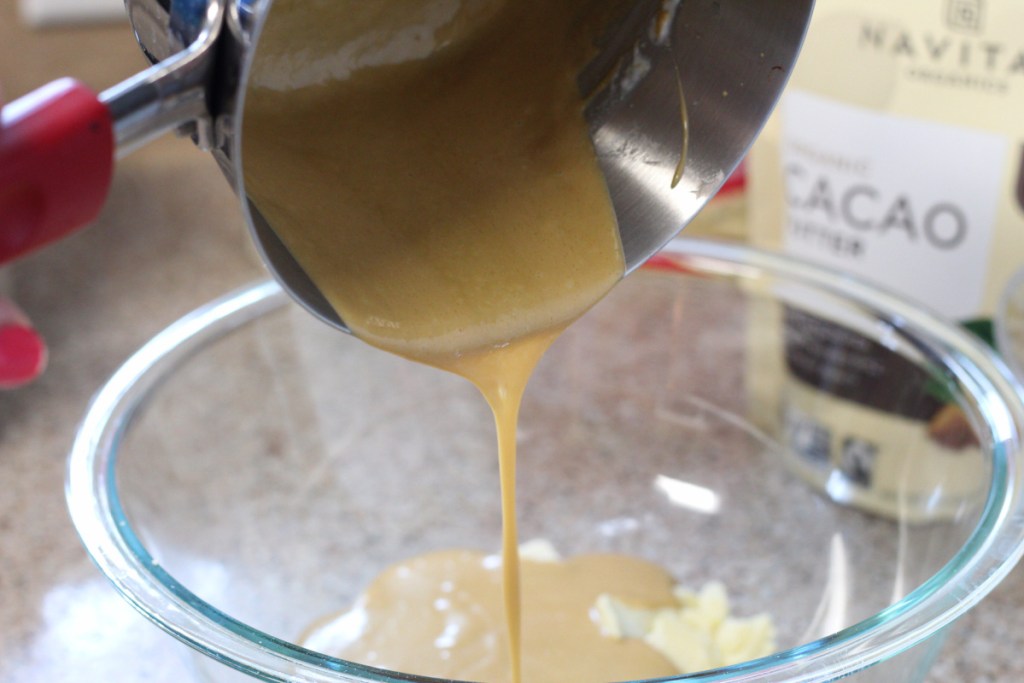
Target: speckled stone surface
x=170 y=239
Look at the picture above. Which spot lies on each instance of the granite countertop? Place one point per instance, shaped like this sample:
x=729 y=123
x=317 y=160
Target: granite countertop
x=171 y=238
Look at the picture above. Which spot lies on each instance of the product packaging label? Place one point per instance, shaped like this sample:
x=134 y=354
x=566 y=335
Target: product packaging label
x=855 y=205
x=896 y=155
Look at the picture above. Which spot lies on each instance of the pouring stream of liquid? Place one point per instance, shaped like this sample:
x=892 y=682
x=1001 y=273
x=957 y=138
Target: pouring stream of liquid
x=428 y=164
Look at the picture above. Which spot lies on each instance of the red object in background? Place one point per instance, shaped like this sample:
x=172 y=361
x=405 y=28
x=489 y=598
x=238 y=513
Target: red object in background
x=22 y=351
x=664 y=261
x=737 y=182
x=56 y=162
x=22 y=355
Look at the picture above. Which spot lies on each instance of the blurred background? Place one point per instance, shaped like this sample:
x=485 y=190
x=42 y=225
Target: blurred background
x=170 y=238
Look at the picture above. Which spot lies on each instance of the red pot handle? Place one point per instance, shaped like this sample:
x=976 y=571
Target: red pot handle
x=56 y=162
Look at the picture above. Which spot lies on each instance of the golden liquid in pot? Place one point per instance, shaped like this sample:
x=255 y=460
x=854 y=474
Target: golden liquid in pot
x=428 y=164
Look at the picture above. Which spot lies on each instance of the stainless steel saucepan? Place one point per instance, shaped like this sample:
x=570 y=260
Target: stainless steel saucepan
x=675 y=98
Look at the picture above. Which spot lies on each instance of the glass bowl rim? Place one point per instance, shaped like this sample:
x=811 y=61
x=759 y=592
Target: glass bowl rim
x=989 y=554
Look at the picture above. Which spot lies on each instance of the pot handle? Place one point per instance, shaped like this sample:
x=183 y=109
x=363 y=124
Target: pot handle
x=56 y=162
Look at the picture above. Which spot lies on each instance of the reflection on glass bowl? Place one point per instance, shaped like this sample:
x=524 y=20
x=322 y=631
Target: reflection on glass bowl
x=250 y=470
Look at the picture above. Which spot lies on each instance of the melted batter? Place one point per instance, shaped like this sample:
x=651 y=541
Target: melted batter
x=439 y=615
x=427 y=163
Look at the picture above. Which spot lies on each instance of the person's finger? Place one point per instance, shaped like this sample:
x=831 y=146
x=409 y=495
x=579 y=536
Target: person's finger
x=22 y=349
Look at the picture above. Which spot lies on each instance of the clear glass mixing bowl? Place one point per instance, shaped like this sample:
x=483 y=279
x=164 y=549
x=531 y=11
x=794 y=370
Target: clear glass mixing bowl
x=251 y=470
